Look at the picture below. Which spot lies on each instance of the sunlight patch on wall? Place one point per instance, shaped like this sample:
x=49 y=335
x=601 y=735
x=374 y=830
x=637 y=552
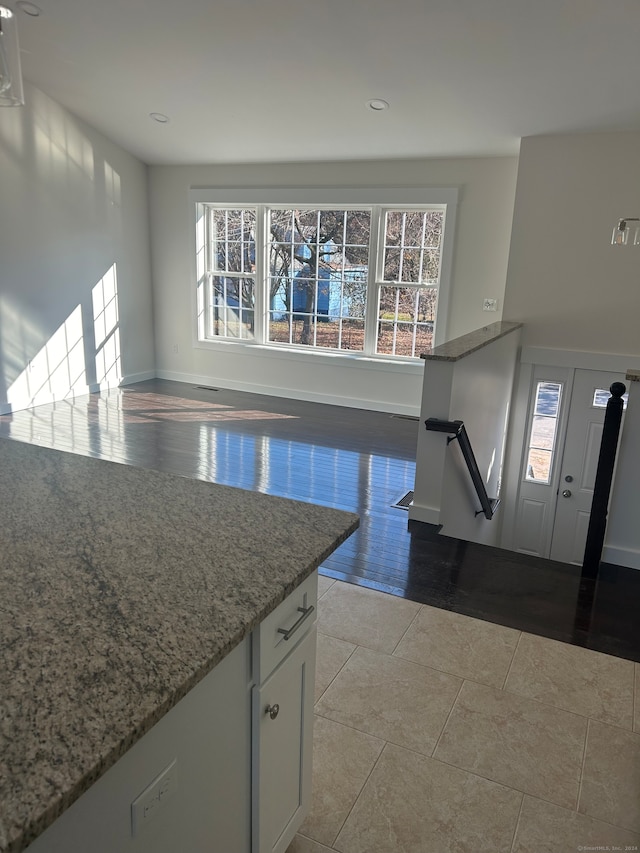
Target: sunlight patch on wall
x=60 y=146
x=112 y=185
x=104 y=297
x=56 y=371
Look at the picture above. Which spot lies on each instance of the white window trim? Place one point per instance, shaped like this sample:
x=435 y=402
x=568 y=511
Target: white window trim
x=384 y=197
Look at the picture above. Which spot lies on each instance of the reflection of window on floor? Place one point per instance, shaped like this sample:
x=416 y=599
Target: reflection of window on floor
x=362 y=280
x=543 y=431
x=106 y=327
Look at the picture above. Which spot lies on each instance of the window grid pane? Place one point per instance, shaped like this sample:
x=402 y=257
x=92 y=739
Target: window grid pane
x=412 y=246
x=318 y=272
x=406 y=318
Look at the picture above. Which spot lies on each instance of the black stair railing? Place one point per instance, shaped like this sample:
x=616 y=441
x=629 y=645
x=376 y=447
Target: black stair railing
x=602 y=486
x=456 y=430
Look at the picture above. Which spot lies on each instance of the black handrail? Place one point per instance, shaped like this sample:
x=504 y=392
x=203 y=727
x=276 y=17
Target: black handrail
x=602 y=486
x=456 y=429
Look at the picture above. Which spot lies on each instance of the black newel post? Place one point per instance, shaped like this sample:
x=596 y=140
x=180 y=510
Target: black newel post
x=602 y=487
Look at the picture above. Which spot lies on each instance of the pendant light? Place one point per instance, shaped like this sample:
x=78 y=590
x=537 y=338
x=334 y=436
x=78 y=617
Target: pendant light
x=11 y=93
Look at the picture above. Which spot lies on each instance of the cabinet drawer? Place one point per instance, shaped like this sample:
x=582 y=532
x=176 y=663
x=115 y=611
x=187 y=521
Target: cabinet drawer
x=282 y=630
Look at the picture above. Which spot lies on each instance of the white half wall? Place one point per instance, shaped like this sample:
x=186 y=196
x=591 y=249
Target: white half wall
x=75 y=276
x=476 y=389
x=485 y=206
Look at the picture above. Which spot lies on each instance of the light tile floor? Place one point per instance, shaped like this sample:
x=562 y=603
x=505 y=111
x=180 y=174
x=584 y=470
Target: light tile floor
x=436 y=732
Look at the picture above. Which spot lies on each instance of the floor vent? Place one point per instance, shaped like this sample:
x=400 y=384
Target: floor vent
x=206 y=388
x=406 y=417
x=405 y=501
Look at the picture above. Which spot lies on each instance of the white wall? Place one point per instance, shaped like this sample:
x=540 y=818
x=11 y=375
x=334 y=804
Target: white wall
x=577 y=295
x=73 y=216
x=485 y=207
x=565 y=281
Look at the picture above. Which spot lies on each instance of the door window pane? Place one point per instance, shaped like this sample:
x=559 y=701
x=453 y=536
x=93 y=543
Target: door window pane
x=543 y=432
x=601 y=398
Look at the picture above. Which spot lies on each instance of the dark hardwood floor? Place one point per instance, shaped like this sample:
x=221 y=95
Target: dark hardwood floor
x=357 y=460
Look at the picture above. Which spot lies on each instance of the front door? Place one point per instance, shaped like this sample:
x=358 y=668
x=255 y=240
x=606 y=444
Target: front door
x=579 y=463
x=560 y=462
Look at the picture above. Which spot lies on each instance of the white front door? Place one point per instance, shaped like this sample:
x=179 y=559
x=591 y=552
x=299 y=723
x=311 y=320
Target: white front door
x=579 y=463
x=561 y=455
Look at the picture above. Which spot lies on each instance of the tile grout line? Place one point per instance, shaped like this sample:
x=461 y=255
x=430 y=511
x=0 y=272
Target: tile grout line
x=453 y=705
x=584 y=759
x=355 y=802
x=351 y=653
x=517 y=826
x=513 y=657
x=413 y=619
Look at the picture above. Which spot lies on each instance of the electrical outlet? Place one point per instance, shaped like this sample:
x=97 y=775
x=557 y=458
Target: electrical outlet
x=176 y=348
x=490 y=305
x=154 y=797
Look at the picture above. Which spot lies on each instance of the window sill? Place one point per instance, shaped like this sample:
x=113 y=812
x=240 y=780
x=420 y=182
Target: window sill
x=325 y=358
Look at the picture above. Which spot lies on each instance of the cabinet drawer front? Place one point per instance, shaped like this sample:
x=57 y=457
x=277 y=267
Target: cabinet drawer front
x=283 y=629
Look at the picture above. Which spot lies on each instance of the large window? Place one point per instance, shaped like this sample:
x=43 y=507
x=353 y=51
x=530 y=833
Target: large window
x=364 y=280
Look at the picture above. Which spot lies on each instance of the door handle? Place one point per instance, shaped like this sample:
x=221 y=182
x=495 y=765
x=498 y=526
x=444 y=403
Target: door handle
x=306 y=612
x=566 y=493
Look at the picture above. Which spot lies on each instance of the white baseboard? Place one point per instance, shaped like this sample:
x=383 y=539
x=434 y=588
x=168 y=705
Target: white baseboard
x=291 y=393
x=130 y=378
x=621 y=557
x=424 y=513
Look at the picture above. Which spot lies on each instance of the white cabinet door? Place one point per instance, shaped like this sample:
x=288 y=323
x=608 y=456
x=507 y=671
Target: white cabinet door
x=282 y=744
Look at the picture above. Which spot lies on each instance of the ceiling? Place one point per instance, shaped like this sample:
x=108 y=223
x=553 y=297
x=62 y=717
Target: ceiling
x=289 y=80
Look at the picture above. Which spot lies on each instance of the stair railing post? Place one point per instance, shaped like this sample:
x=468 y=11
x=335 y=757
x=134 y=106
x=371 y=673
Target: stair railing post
x=602 y=486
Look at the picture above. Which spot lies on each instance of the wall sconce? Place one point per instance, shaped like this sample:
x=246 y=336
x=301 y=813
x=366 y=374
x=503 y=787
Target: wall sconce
x=620 y=235
x=11 y=94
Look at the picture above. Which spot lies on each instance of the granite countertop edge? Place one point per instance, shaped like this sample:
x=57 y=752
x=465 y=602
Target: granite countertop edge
x=459 y=348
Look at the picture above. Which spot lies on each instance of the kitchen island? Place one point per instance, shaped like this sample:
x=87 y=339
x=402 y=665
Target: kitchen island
x=123 y=592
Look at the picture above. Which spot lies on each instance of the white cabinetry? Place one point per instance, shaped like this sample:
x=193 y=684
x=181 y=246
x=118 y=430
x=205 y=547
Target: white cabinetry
x=282 y=702
x=238 y=784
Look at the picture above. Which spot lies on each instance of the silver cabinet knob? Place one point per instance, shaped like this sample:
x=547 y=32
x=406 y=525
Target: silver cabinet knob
x=566 y=493
x=272 y=711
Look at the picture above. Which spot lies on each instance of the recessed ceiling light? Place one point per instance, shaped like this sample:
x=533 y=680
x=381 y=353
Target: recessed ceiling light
x=29 y=8
x=377 y=105
x=161 y=118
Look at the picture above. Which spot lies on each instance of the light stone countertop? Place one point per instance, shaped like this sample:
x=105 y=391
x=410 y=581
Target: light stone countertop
x=460 y=347
x=120 y=589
